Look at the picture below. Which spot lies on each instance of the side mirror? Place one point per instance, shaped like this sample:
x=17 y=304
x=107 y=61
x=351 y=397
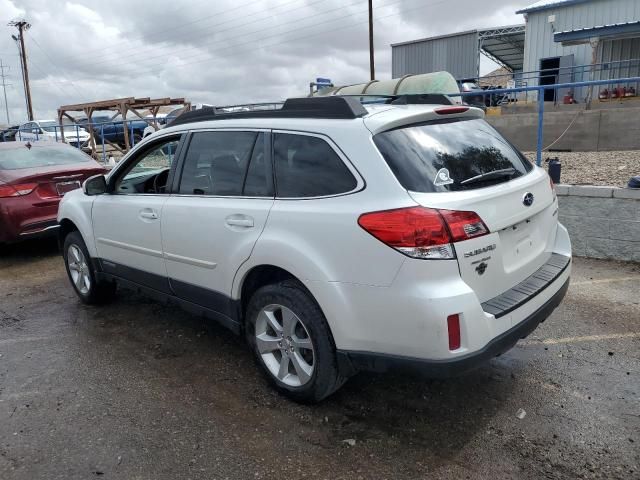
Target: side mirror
x=96 y=185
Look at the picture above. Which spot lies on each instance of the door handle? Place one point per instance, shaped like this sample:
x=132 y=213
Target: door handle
x=148 y=214
x=239 y=221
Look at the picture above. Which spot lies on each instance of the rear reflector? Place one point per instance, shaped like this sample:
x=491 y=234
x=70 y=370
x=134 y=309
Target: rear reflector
x=17 y=190
x=424 y=233
x=453 y=326
x=450 y=110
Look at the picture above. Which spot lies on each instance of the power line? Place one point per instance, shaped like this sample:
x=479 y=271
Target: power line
x=298 y=20
x=207 y=29
x=307 y=36
x=3 y=76
x=162 y=34
x=55 y=66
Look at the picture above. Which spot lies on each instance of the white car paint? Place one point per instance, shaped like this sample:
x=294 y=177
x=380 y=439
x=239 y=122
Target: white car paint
x=375 y=299
x=49 y=131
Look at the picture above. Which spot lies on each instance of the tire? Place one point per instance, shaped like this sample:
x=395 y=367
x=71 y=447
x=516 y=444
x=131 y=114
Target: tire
x=310 y=328
x=81 y=272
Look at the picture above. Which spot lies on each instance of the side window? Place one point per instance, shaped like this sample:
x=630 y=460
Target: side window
x=149 y=172
x=217 y=164
x=307 y=166
x=259 y=181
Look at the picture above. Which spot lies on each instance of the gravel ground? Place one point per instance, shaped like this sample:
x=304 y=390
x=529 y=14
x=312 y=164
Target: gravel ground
x=140 y=390
x=596 y=168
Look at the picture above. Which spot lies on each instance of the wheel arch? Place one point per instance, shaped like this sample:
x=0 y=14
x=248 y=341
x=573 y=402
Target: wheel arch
x=66 y=227
x=258 y=276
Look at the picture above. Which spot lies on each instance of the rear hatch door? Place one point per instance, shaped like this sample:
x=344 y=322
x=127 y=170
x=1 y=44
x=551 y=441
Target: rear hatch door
x=465 y=164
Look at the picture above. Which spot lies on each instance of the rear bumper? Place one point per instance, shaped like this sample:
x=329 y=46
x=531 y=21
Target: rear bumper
x=19 y=220
x=351 y=362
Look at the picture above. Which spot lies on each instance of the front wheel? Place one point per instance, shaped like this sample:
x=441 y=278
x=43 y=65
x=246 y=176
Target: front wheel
x=292 y=342
x=81 y=272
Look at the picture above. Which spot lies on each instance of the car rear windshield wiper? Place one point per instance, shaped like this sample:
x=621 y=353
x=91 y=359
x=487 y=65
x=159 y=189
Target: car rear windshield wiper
x=503 y=172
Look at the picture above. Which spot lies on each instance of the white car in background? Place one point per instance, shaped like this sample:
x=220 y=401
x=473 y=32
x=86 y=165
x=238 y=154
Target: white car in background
x=162 y=119
x=49 y=130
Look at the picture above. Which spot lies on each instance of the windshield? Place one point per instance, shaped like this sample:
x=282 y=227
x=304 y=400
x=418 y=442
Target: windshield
x=17 y=158
x=48 y=126
x=439 y=157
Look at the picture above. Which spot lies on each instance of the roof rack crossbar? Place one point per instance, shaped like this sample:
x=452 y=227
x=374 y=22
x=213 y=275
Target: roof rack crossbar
x=315 y=107
x=330 y=107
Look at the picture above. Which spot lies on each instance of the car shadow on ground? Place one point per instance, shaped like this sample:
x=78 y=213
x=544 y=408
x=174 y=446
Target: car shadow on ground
x=400 y=411
x=21 y=252
x=185 y=353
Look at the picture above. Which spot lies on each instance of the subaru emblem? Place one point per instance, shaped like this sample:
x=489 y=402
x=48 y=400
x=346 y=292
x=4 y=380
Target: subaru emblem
x=527 y=200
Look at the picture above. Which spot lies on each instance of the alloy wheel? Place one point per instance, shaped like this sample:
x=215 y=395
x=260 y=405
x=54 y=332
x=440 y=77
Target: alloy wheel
x=285 y=345
x=78 y=269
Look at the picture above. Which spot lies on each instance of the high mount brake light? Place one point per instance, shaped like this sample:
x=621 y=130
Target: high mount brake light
x=450 y=110
x=17 y=190
x=421 y=232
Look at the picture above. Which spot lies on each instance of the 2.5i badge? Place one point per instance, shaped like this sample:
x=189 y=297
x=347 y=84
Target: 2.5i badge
x=442 y=178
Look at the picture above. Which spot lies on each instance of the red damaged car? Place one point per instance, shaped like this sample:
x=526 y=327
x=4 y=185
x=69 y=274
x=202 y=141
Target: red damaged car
x=33 y=178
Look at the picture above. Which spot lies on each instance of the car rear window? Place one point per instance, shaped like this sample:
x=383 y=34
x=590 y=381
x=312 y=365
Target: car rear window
x=23 y=157
x=444 y=156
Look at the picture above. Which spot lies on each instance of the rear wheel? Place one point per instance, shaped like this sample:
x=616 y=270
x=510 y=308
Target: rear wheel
x=292 y=342
x=82 y=273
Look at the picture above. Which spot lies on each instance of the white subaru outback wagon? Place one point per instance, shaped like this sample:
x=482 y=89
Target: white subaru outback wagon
x=336 y=236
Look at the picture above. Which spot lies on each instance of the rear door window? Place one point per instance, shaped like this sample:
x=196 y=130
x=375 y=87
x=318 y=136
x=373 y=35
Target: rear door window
x=450 y=156
x=307 y=166
x=227 y=163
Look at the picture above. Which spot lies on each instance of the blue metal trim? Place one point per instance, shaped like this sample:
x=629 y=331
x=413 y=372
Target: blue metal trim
x=603 y=31
x=548 y=6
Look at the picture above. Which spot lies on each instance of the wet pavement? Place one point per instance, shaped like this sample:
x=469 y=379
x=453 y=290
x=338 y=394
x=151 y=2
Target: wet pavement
x=138 y=390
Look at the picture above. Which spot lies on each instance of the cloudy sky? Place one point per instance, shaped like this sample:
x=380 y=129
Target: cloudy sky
x=220 y=52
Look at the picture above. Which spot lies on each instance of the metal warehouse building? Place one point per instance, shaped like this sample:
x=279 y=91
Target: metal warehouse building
x=570 y=33
x=571 y=40
x=459 y=53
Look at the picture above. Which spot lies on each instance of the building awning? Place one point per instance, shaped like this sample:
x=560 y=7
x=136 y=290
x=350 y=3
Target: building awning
x=504 y=45
x=612 y=31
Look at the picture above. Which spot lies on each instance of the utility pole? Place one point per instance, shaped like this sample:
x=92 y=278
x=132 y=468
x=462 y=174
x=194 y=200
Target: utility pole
x=4 y=87
x=23 y=26
x=372 y=68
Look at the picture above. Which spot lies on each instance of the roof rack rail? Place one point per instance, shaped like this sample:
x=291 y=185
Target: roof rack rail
x=315 y=107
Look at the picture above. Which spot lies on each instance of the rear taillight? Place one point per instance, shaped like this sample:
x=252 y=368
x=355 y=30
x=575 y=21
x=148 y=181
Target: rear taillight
x=553 y=189
x=464 y=225
x=421 y=232
x=17 y=190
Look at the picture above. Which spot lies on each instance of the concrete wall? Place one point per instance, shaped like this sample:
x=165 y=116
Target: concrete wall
x=603 y=222
x=593 y=130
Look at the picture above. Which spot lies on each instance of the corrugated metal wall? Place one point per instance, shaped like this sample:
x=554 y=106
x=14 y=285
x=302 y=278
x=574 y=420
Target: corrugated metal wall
x=539 y=32
x=616 y=50
x=457 y=54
